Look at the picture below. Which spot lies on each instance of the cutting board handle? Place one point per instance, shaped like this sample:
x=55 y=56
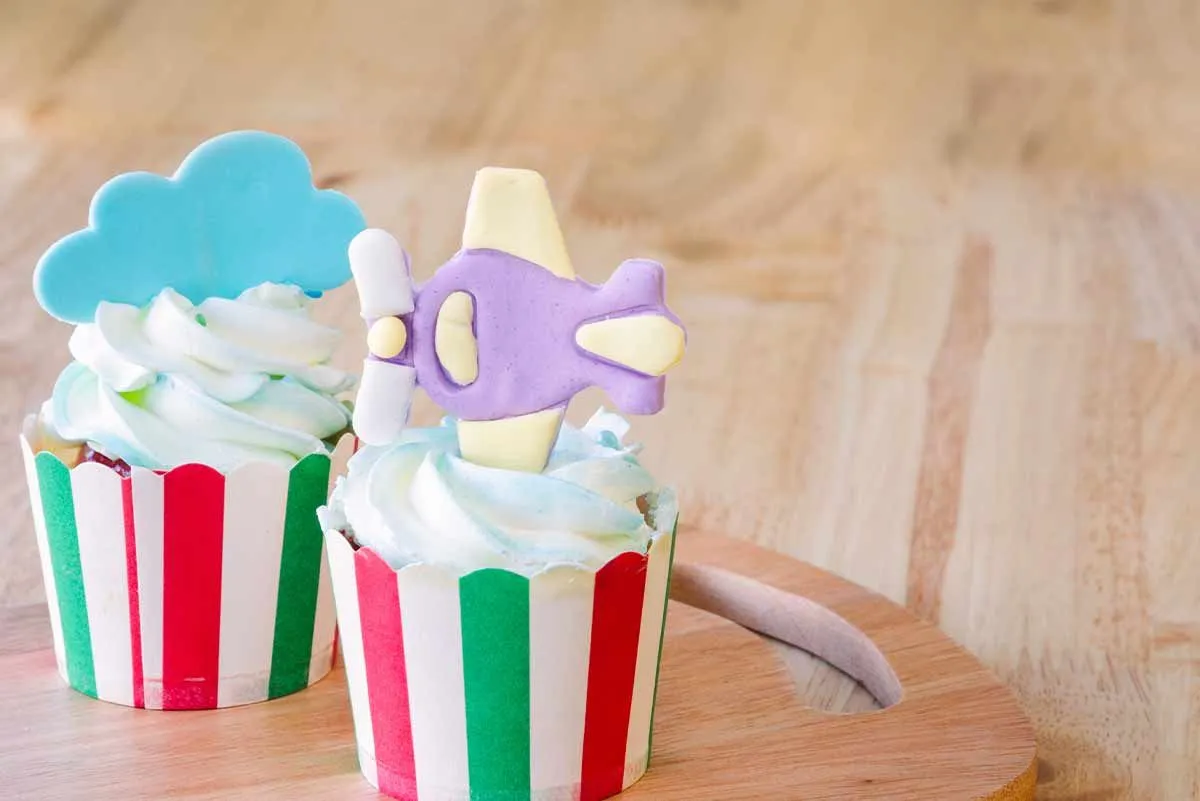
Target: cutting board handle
x=792 y=619
x=954 y=725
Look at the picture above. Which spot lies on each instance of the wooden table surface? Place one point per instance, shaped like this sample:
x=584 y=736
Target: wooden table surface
x=940 y=264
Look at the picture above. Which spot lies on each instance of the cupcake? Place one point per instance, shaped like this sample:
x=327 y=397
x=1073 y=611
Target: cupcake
x=175 y=472
x=501 y=580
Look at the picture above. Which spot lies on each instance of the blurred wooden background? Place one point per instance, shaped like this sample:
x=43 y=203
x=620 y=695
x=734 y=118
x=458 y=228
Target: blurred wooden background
x=940 y=263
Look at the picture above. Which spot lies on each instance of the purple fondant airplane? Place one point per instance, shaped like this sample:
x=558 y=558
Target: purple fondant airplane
x=504 y=334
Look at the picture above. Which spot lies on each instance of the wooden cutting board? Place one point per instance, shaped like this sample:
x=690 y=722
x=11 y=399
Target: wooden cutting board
x=729 y=725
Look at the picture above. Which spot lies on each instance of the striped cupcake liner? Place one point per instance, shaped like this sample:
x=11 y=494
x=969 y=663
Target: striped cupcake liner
x=184 y=589
x=492 y=686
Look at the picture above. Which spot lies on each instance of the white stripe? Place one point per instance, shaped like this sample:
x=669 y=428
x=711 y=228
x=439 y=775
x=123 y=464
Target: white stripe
x=653 y=608
x=39 y=529
x=252 y=546
x=325 y=628
x=560 y=635
x=430 y=617
x=345 y=591
x=100 y=523
x=324 y=625
x=148 y=534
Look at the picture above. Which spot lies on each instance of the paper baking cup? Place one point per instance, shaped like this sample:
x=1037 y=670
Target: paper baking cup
x=492 y=686
x=186 y=589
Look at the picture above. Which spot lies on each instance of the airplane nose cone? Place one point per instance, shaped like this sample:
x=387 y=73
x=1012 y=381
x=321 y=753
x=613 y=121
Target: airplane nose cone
x=387 y=337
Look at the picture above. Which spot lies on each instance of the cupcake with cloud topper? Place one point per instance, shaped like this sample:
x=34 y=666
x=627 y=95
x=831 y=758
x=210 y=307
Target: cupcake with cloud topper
x=175 y=471
x=501 y=579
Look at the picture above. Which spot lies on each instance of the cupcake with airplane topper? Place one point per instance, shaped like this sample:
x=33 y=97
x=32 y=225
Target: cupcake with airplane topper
x=175 y=471
x=501 y=579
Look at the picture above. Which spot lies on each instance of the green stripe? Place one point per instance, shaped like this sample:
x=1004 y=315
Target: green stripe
x=495 y=636
x=62 y=538
x=299 y=576
x=662 y=636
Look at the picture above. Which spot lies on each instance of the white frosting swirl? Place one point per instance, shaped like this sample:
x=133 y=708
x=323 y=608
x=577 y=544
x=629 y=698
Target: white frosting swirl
x=418 y=501
x=219 y=383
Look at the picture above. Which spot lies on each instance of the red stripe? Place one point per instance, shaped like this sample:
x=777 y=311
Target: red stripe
x=193 y=530
x=131 y=580
x=333 y=655
x=387 y=676
x=616 y=621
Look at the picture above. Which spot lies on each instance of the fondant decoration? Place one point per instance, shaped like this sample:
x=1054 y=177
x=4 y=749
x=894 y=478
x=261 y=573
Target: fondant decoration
x=647 y=343
x=189 y=588
x=240 y=211
x=504 y=335
x=387 y=390
x=381 y=273
x=387 y=337
x=510 y=210
x=454 y=339
x=512 y=443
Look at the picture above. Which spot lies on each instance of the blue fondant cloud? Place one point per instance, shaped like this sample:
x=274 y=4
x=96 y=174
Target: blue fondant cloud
x=239 y=211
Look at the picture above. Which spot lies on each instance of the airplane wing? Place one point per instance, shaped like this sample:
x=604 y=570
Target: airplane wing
x=510 y=210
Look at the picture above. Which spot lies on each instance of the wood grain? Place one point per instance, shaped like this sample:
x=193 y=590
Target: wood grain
x=939 y=262
x=728 y=724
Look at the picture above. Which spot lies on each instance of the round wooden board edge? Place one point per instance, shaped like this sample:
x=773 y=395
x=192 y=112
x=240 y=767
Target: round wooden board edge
x=710 y=573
